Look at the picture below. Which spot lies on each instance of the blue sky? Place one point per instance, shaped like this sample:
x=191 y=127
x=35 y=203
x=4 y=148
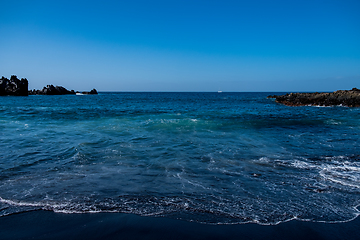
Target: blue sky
x=182 y=45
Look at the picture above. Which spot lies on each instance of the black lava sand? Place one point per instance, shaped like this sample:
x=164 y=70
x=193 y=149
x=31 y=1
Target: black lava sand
x=50 y=225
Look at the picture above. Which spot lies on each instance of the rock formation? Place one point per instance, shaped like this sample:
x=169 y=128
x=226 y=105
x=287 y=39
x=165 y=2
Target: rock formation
x=349 y=98
x=51 y=90
x=91 y=92
x=58 y=90
x=14 y=86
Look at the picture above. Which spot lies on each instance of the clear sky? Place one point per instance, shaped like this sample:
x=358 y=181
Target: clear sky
x=182 y=45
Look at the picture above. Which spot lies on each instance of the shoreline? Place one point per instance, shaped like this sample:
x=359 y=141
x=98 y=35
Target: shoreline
x=348 y=98
x=41 y=224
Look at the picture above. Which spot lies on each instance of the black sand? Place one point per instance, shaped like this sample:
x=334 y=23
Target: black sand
x=50 y=225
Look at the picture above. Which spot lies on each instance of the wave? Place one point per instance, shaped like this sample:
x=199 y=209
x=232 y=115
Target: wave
x=342 y=170
x=321 y=189
x=172 y=207
x=190 y=156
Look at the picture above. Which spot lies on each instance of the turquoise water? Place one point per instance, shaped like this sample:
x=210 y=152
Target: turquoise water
x=203 y=157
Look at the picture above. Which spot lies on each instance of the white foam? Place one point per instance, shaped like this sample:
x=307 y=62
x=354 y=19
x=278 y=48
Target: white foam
x=341 y=172
x=303 y=165
x=263 y=160
x=333 y=122
x=16 y=203
x=348 y=175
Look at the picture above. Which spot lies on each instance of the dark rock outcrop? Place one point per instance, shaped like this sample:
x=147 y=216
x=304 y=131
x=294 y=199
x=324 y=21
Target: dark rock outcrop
x=16 y=87
x=13 y=86
x=92 y=92
x=58 y=90
x=51 y=90
x=349 y=98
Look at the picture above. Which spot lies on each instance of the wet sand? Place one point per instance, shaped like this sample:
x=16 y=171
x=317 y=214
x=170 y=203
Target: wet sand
x=50 y=225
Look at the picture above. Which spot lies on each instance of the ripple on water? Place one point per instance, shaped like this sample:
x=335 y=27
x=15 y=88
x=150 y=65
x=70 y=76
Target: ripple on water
x=197 y=157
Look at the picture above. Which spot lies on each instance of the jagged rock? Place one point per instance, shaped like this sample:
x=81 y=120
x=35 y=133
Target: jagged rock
x=14 y=86
x=58 y=90
x=91 y=92
x=349 y=98
x=51 y=90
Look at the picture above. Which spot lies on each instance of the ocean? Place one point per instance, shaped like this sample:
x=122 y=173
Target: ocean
x=208 y=158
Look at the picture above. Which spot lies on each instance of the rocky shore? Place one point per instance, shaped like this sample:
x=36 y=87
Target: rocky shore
x=51 y=90
x=17 y=87
x=13 y=86
x=348 y=98
x=58 y=90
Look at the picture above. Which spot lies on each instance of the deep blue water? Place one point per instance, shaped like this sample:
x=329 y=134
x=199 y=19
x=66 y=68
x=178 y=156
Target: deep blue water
x=203 y=157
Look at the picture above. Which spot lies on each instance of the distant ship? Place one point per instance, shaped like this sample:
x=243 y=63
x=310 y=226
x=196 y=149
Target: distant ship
x=219 y=91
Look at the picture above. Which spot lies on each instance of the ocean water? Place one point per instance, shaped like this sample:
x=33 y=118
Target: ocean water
x=215 y=158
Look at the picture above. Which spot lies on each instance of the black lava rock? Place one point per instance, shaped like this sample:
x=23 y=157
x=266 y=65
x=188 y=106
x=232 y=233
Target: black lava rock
x=13 y=86
x=91 y=92
x=349 y=98
x=51 y=90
